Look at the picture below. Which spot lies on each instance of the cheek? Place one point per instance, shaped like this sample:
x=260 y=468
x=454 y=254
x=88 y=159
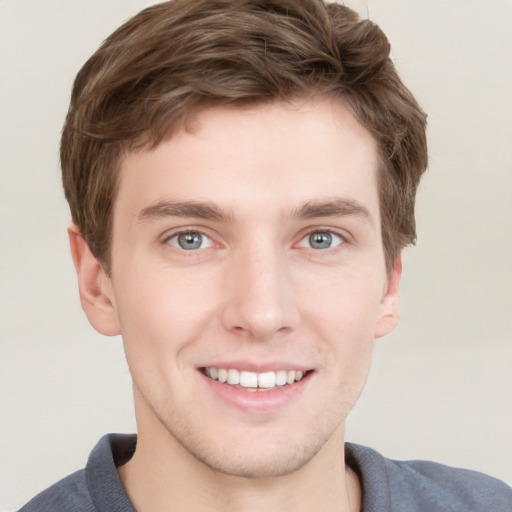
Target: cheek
x=160 y=312
x=343 y=317
x=344 y=304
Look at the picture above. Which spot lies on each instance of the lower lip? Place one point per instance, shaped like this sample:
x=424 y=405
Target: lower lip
x=257 y=401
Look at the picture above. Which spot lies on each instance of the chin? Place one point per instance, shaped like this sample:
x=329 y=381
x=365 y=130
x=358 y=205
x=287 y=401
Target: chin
x=259 y=465
x=264 y=456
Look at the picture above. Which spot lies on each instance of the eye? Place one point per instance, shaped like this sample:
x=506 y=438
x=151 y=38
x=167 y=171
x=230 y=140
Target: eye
x=190 y=241
x=321 y=240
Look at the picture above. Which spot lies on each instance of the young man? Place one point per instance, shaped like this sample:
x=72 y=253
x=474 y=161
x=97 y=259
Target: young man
x=241 y=177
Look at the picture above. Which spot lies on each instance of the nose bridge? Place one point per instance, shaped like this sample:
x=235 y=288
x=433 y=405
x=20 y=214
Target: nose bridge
x=261 y=301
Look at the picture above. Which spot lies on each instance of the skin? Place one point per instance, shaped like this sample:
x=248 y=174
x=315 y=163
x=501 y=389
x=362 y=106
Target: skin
x=256 y=292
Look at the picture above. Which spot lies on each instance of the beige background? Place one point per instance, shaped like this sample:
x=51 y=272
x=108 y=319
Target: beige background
x=441 y=385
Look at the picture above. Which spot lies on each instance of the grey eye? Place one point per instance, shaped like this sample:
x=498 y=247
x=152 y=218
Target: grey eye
x=190 y=241
x=321 y=240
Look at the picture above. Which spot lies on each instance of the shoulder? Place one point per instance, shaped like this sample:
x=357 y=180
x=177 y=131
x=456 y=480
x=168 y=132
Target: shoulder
x=419 y=485
x=68 y=495
x=454 y=488
x=97 y=487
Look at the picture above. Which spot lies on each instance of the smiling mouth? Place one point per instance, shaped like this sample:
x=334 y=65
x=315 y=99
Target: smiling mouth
x=252 y=381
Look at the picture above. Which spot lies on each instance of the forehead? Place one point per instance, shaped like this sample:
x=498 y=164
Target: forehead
x=279 y=155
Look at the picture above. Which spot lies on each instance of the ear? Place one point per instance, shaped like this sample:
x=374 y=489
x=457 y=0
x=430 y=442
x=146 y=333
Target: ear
x=95 y=287
x=389 y=312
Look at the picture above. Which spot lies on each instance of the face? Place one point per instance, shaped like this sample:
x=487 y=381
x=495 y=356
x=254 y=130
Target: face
x=248 y=248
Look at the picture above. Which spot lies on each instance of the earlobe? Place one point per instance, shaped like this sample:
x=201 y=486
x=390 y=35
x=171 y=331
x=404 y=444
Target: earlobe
x=95 y=287
x=389 y=313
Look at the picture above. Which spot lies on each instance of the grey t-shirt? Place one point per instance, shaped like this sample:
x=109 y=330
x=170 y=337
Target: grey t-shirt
x=388 y=485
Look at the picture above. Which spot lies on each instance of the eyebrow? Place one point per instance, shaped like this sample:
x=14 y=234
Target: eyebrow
x=195 y=209
x=336 y=207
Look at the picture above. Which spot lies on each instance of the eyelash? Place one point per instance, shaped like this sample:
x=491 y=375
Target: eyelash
x=332 y=236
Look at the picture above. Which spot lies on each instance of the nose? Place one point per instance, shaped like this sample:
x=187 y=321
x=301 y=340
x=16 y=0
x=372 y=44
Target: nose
x=260 y=297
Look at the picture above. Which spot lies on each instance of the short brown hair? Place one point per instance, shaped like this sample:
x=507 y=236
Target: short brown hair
x=180 y=56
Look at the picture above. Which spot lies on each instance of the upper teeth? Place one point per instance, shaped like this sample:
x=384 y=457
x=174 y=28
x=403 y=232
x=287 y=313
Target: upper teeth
x=252 y=379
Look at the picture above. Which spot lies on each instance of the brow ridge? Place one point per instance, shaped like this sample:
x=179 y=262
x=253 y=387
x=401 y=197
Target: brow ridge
x=196 y=209
x=206 y=210
x=335 y=207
